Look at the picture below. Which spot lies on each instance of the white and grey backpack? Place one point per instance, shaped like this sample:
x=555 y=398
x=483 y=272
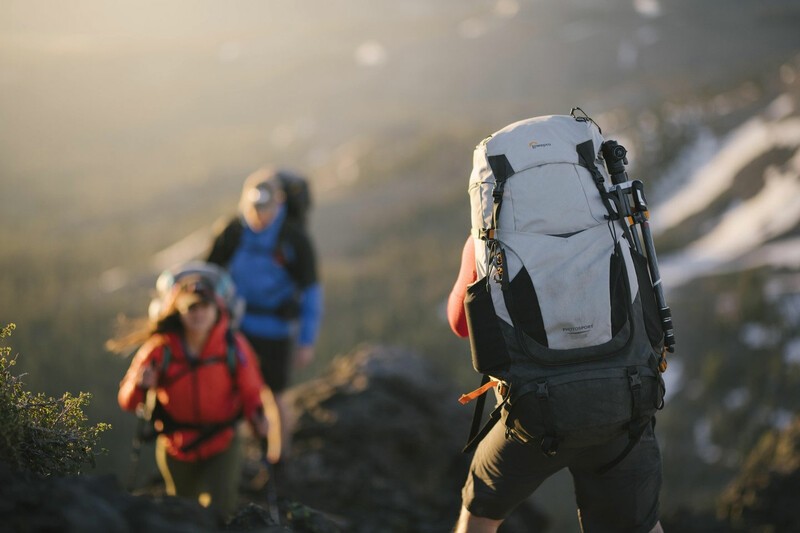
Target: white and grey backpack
x=557 y=316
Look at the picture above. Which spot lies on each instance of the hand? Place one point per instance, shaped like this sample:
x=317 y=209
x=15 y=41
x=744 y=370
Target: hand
x=303 y=356
x=147 y=378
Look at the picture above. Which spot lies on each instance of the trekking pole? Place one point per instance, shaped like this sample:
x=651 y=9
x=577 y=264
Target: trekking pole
x=270 y=488
x=271 y=450
x=637 y=214
x=136 y=453
x=144 y=433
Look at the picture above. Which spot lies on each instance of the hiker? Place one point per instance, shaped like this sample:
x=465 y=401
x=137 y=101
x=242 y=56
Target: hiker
x=198 y=378
x=560 y=309
x=489 y=495
x=270 y=257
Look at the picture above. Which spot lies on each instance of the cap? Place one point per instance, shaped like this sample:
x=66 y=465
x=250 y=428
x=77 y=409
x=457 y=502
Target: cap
x=262 y=196
x=191 y=290
x=261 y=189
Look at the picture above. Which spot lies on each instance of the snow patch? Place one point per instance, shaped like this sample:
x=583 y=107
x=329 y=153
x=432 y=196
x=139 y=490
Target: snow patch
x=759 y=336
x=791 y=352
x=737 y=238
x=673 y=378
x=647 y=8
x=680 y=173
x=782 y=418
x=705 y=448
x=737 y=398
x=751 y=140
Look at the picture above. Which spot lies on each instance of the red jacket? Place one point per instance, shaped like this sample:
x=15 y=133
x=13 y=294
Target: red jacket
x=466 y=276
x=201 y=395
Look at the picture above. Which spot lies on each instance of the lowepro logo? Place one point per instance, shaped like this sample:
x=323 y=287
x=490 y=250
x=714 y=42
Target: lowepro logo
x=534 y=145
x=577 y=330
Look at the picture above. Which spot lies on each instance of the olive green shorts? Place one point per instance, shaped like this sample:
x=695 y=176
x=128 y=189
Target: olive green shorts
x=625 y=498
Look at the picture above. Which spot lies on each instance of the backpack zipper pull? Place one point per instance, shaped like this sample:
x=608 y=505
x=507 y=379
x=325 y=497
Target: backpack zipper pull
x=498 y=266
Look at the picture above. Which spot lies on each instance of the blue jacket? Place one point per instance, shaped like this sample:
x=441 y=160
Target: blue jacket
x=275 y=272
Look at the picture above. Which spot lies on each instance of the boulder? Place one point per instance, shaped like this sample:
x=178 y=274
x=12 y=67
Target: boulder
x=764 y=494
x=377 y=443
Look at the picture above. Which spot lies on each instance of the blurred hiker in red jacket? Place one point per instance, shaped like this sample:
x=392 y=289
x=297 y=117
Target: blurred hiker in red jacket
x=197 y=378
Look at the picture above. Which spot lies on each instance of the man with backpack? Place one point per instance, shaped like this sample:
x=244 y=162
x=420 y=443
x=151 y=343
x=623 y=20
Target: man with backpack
x=555 y=295
x=271 y=259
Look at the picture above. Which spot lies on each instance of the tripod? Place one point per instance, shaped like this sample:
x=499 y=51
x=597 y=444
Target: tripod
x=632 y=207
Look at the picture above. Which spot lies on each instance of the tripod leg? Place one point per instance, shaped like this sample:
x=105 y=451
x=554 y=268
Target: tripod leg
x=663 y=308
x=626 y=214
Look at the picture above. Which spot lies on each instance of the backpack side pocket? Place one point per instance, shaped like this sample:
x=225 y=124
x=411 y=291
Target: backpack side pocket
x=487 y=344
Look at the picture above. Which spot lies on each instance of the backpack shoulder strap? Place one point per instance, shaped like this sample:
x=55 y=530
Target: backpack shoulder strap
x=166 y=358
x=232 y=354
x=301 y=262
x=230 y=358
x=226 y=242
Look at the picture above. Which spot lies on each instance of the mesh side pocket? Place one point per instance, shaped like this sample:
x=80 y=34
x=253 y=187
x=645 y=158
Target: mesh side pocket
x=618 y=292
x=486 y=341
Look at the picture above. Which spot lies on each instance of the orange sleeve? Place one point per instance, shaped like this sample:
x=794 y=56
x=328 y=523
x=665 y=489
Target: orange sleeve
x=130 y=394
x=455 y=302
x=249 y=379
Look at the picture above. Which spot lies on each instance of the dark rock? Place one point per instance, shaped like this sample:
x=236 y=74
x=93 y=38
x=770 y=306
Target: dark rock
x=685 y=520
x=91 y=504
x=377 y=448
x=378 y=444
x=763 y=497
x=253 y=517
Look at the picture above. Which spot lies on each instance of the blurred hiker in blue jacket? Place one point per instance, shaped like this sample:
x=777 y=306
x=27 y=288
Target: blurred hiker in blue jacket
x=270 y=257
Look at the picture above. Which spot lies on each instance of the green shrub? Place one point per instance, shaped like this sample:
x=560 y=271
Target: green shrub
x=44 y=435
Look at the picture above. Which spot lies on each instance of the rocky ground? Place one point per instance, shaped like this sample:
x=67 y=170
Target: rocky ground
x=377 y=449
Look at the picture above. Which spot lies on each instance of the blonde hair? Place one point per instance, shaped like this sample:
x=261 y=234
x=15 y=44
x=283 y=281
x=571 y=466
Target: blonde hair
x=133 y=332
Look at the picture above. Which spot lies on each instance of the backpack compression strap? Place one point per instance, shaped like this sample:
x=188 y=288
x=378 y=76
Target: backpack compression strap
x=502 y=170
x=586 y=157
x=637 y=425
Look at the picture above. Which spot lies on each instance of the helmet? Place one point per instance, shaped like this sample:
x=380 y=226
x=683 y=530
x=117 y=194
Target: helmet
x=216 y=277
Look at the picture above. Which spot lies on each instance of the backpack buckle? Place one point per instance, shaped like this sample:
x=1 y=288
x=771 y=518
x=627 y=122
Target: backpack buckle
x=634 y=380
x=486 y=234
x=549 y=446
x=516 y=436
x=542 y=393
